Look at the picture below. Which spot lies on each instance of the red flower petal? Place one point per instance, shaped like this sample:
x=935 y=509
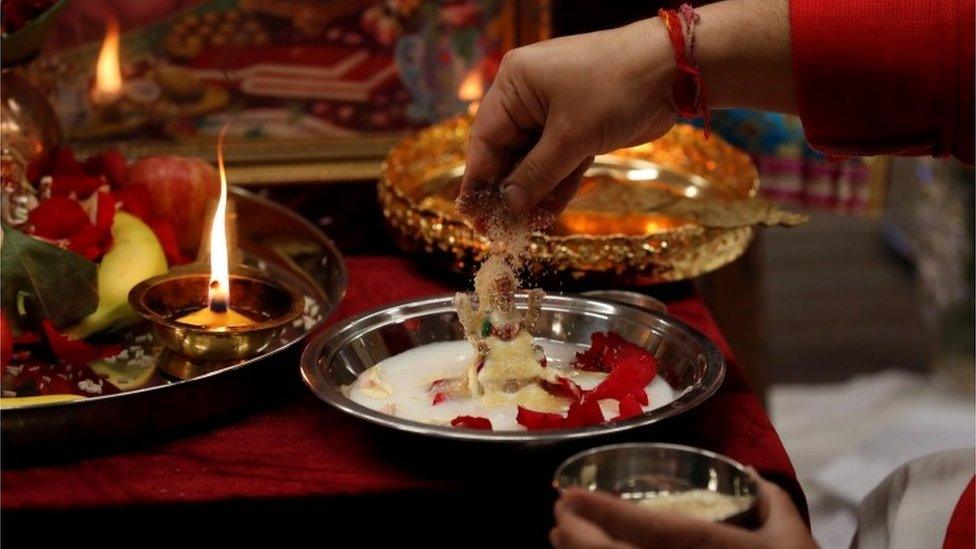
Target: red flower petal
x=110 y=164
x=94 y=240
x=583 y=413
x=472 y=422
x=82 y=185
x=630 y=377
x=631 y=367
x=563 y=387
x=135 y=200
x=66 y=163
x=590 y=360
x=106 y=210
x=170 y=243
x=438 y=398
x=87 y=242
x=6 y=340
x=629 y=407
x=74 y=351
x=603 y=352
x=532 y=420
x=58 y=217
x=38 y=376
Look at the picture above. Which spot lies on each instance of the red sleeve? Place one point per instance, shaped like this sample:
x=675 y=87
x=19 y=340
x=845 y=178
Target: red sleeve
x=960 y=532
x=885 y=76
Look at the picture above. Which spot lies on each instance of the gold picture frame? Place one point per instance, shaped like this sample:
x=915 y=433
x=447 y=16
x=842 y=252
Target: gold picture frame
x=276 y=161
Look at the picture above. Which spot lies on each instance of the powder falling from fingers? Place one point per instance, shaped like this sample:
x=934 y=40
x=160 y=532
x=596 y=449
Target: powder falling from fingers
x=497 y=279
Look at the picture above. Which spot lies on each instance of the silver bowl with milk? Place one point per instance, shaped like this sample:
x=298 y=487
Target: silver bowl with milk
x=688 y=361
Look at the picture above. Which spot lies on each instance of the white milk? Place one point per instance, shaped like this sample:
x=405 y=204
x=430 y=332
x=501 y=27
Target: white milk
x=400 y=385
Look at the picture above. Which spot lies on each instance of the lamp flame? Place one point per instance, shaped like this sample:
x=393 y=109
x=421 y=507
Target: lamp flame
x=219 y=293
x=108 y=70
x=471 y=90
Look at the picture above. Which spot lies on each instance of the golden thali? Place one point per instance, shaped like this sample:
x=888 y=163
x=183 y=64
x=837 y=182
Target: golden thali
x=672 y=209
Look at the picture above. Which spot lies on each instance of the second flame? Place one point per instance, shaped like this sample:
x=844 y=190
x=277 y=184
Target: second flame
x=471 y=90
x=108 y=71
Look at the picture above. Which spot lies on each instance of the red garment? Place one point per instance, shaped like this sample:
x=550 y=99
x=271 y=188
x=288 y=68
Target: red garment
x=885 y=76
x=959 y=533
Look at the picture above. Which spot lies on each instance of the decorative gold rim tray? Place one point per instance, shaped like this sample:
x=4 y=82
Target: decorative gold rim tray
x=425 y=164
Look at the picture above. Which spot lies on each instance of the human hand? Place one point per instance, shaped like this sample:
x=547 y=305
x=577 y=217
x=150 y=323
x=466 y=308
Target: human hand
x=595 y=520
x=556 y=104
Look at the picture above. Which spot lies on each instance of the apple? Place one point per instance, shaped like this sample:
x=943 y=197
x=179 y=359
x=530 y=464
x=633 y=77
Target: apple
x=180 y=191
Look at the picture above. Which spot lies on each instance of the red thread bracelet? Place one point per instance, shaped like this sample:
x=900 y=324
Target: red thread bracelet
x=689 y=93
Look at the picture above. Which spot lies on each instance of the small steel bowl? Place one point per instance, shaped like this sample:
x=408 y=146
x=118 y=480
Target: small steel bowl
x=687 y=360
x=641 y=470
x=163 y=299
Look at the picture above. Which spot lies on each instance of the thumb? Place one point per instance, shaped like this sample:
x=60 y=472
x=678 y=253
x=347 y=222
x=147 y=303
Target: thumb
x=553 y=158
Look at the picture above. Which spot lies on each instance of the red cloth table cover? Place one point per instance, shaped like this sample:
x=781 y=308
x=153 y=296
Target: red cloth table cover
x=305 y=449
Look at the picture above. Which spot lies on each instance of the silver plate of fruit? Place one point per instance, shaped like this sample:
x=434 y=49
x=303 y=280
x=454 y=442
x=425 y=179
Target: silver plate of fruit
x=79 y=366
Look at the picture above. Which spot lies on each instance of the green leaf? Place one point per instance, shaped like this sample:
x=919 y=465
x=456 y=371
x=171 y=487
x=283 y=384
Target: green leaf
x=44 y=281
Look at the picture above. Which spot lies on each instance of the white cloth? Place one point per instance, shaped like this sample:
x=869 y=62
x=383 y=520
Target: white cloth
x=845 y=438
x=911 y=508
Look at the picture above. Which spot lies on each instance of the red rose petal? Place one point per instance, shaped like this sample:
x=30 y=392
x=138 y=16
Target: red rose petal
x=438 y=398
x=106 y=210
x=110 y=164
x=630 y=377
x=66 y=163
x=135 y=200
x=74 y=351
x=590 y=360
x=81 y=185
x=631 y=368
x=86 y=242
x=41 y=376
x=94 y=240
x=563 y=387
x=6 y=340
x=604 y=351
x=472 y=422
x=58 y=217
x=532 y=420
x=583 y=413
x=629 y=407
x=169 y=241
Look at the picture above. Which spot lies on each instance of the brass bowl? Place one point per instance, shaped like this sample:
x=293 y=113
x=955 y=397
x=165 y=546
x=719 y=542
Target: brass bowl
x=162 y=300
x=606 y=235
